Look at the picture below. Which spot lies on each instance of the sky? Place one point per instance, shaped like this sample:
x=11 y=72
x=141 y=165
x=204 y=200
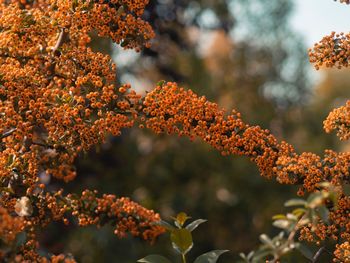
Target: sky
x=317 y=18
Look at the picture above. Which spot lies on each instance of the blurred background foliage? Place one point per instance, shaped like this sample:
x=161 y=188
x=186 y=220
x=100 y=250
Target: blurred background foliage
x=243 y=55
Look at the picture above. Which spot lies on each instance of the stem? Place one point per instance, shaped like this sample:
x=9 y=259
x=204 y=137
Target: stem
x=59 y=41
x=8 y=133
x=318 y=254
x=183 y=258
x=42 y=145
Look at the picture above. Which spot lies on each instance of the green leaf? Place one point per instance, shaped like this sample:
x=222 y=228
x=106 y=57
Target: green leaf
x=161 y=83
x=154 y=259
x=266 y=240
x=279 y=216
x=11 y=159
x=295 y=202
x=323 y=212
x=125 y=42
x=192 y=226
x=299 y=212
x=261 y=254
x=315 y=199
x=166 y=225
x=121 y=10
x=182 y=240
x=210 y=257
x=180 y=219
x=346 y=189
x=281 y=223
x=6 y=189
x=244 y=257
x=305 y=251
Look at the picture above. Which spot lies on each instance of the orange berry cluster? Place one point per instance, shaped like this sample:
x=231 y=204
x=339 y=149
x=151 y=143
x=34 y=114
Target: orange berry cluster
x=58 y=98
x=129 y=217
x=43 y=208
x=338 y=229
x=169 y=108
x=119 y=20
x=342 y=253
x=174 y=110
x=344 y=1
x=331 y=51
x=339 y=120
x=9 y=226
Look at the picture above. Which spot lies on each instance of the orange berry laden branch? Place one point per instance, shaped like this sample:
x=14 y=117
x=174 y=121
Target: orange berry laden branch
x=59 y=98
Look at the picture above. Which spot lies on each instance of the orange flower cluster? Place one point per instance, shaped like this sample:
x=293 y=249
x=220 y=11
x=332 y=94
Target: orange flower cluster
x=345 y=1
x=129 y=217
x=331 y=51
x=339 y=120
x=171 y=109
x=9 y=227
x=338 y=229
x=175 y=110
x=58 y=98
x=89 y=209
x=118 y=20
x=342 y=253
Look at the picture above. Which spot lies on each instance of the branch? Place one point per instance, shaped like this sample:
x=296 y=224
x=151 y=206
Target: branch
x=59 y=41
x=43 y=145
x=318 y=254
x=8 y=133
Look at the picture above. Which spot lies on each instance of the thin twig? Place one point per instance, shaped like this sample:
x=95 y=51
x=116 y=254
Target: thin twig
x=318 y=254
x=8 y=133
x=59 y=41
x=42 y=145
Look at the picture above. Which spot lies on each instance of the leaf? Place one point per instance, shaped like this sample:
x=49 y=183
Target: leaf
x=192 y=226
x=210 y=257
x=181 y=218
x=11 y=159
x=281 y=223
x=325 y=185
x=261 y=254
x=346 y=189
x=295 y=202
x=7 y=189
x=154 y=259
x=161 y=83
x=121 y=10
x=299 y=212
x=323 y=212
x=279 y=216
x=292 y=217
x=305 y=251
x=244 y=257
x=266 y=240
x=182 y=240
x=250 y=254
x=166 y=225
x=124 y=43
x=315 y=199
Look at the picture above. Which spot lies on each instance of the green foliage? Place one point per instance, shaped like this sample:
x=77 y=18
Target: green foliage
x=182 y=241
x=309 y=212
x=154 y=259
x=210 y=257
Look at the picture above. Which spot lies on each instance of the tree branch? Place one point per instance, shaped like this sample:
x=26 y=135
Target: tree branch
x=8 y=133
x=59 y=41
x=318 y=254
